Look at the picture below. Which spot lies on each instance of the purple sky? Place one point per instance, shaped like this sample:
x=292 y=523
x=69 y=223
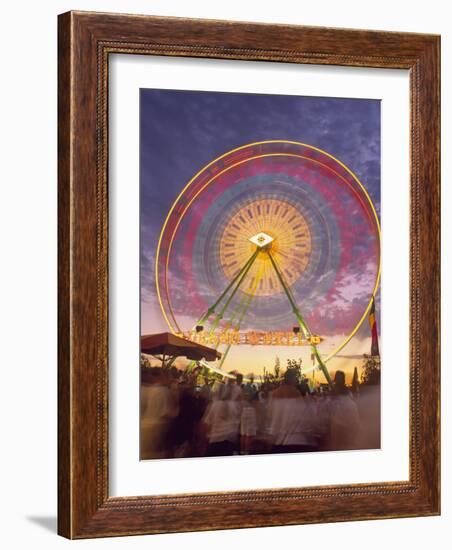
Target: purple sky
x=182 y=131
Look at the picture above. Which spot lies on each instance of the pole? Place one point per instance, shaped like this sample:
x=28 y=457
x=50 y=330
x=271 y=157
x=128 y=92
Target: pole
x=245 y=307
x=212 y=308
x=219 y=315
x=301 y=321
x=239 y=278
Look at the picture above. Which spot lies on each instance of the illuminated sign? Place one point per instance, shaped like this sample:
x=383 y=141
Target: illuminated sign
x=250 y=338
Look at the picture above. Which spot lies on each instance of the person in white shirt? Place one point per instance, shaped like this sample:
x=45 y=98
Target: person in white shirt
x=221 y=424
x=288 y=421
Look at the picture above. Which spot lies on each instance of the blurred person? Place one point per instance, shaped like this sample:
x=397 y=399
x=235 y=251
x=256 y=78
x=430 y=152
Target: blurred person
x=157 y=410
x=206 y=390
x=311 y=424
x=236 y=386
x=185 y=434
x=345 y=425
x=323 y=419
x=369 y=410
x=215 y=390
x=250 y=388
x=261 y=441
x=248 y=423
x=236 y=402
x=284 y=412
x=221 y=424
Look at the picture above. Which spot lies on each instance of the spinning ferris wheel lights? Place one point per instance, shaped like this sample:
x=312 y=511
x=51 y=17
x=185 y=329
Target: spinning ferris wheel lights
x=294 y=201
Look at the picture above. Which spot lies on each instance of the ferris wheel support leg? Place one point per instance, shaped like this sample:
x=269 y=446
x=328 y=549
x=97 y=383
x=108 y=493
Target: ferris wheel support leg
x=212 y=308
x=238 y=279
x=244 y=309
x=219 y=315
x=322 y=366
x=301 y=321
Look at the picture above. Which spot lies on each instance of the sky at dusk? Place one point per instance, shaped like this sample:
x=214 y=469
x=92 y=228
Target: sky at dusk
x=182 y=131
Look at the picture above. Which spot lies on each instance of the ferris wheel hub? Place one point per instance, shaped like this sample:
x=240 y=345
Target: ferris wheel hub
x=261 y=240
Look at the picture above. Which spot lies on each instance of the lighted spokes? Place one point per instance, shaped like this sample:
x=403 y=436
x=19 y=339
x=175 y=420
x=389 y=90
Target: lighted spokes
x=284 y=229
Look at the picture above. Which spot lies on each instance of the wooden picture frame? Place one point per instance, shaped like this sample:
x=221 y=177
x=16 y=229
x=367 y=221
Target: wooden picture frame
x=86 y=40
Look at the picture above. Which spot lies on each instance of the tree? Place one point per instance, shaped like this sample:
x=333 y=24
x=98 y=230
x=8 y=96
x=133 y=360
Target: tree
x=144 y=361
x=277 y=367
x=355 y=381
x=271 y=380
x=295 y=365
x=370 y=375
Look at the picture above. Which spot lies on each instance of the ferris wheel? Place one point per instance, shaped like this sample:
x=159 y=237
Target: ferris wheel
x=271 y=234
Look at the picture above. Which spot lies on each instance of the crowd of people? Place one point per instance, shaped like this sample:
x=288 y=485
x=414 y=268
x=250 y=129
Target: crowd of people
x=182 y=418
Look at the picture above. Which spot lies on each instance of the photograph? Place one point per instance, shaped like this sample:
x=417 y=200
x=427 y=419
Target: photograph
x=259 y=274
